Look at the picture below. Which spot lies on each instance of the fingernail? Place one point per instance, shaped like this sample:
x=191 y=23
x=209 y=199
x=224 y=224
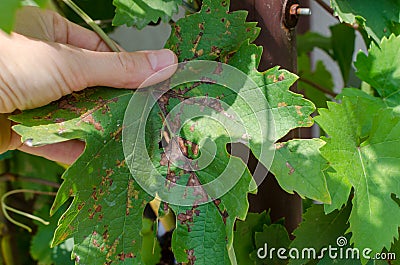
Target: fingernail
x=161 y=59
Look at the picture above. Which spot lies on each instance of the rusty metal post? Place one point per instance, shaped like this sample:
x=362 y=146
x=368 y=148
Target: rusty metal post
x=278 y=37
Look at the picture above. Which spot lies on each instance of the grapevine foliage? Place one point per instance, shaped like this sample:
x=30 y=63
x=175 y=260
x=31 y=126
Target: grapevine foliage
x=379 y=18
x=354 y=170
x=139 y=13
x=105 y=217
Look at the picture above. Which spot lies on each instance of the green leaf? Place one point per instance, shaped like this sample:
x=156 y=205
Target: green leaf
x=343 y=40
x=362 y=149
x=381 y=18
x=8 y=9
x=318 y=230
x=272 y=236
x=303 y=170
x=41 y=250
x=396 y=250
x=310 y=40
x=139 y=13
x=200 y=232
x=105 y=217
x=380 y=68
x=211 y=34
x=243 y=241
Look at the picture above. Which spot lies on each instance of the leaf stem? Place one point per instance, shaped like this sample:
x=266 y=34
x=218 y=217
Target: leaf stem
x=5 y=207
x=111 y=44
x=319 y=87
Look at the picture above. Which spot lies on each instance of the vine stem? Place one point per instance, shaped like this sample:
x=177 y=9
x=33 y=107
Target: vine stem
x=319 y=87
x=5 y=208
x=12 y=178
x=326 y=7
x=111 y=44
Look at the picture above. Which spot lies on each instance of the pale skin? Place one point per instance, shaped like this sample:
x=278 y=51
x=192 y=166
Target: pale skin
x=51 y=57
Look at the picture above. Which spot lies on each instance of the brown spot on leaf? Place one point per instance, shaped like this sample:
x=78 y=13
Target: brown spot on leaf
x=120 y=164
x=187 y=217
x=218 y=70
x=89 y=119
x=282 y=104
x=97 y=208
x=81 y=205
x=281 y=77
x=298 y=110
x=291 y=169
x=191 y=257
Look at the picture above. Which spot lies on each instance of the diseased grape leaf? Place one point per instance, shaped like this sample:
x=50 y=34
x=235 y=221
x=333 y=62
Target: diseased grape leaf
x=304 y=169
x=380 y=69
x=105 y=217
x=380 y=18
x=139 y=13
x=318 y=230
x=362 y=148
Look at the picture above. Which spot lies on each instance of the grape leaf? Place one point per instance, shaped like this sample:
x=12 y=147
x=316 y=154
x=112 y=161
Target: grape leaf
x=363 y=152
x=272 y=236
x=303 y=170
x=319 y=230
x=380 y=18
x=139 y=13
x=243 y=240
x=105 y=217
x=40 y=244
x=381 y=70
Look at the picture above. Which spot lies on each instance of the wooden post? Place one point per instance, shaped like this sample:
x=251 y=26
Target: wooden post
x=279 y=42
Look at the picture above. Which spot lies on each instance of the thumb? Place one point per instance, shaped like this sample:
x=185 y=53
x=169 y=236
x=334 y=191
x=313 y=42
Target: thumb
x=126 y=70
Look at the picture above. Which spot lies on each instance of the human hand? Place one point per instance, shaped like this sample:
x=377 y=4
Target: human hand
x=48 y=57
